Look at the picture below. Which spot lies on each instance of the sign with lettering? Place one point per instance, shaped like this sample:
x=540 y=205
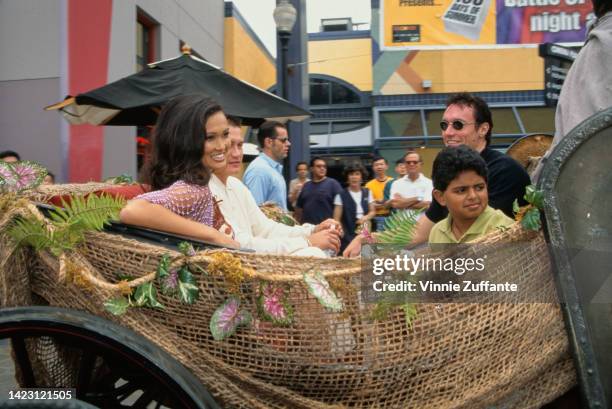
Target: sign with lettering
x=542 y=21
x=423 y=24
x=557 y=62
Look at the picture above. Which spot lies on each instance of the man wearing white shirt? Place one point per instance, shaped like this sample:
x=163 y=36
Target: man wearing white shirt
x=251 y=227
x=413 y=191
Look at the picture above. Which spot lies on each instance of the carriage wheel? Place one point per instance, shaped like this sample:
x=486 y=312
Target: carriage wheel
x=112 y=366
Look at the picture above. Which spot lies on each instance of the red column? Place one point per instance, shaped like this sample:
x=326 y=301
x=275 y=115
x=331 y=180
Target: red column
x=89 y=31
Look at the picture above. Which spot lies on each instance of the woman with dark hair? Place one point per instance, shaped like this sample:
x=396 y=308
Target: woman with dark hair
x=189 y=142
x=354 y=206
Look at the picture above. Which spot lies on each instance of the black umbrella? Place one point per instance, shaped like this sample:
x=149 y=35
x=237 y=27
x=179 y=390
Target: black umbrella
x=137 y=99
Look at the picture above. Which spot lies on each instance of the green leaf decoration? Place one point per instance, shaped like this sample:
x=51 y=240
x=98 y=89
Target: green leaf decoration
x=534 y=196
x=319 y=287
x=288 y=220
x=146 y=296
x=515 y=207
x=399 y=228
x=272 y=305
x=123 y=276
x=70 y=223
x=227 y=318
x=186 y=248
x=124 y=178
x=531 y=219
x=117 y=306
x=410 y=313
x=187 y=286
x=168 y=281
x=381 y=310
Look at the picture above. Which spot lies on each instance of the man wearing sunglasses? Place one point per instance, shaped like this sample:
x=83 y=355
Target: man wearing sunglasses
x=264 y=175
x=467 y=121
x=413 y=191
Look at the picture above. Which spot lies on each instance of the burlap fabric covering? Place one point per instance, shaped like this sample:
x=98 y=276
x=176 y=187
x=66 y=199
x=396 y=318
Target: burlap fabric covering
x=455 y=356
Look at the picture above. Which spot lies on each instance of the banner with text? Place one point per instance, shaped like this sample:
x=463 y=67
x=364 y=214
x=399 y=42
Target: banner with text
x=427 y=23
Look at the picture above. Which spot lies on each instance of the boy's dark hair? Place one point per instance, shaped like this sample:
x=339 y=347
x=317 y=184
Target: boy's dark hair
x=355 y=167
x=297 y=165
x=6 y=154
x=377 y=158
x=178 y=142
x=451 y=161
x=316 y=158
x=399 y=161
x=234 y=120
x=482 y=113
x=268 y=130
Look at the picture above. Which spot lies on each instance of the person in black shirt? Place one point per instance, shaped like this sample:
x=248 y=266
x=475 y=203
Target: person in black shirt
x=467 y=121
x=316 y=201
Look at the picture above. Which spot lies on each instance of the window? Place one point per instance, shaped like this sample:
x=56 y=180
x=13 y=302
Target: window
x=509 y=123
x=400 y=123
x=504 y=121
x=340 y=133
x=328 y=92
x=432 y=121
x=146 y=31
x=538 y=119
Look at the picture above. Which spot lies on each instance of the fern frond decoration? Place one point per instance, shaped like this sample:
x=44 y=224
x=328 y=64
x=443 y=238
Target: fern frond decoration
x=68 y=224
x=399 y=228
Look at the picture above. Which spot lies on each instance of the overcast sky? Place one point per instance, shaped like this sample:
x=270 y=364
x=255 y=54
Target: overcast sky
x=258 y=13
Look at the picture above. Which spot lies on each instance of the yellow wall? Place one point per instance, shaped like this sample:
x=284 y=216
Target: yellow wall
x=510 y=69
x=243 y=57
x=349 y=60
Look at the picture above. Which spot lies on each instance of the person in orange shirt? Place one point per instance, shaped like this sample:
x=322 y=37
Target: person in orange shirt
x=377 y=187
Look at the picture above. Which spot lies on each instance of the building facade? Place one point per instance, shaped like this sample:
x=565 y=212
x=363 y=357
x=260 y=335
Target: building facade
x=55 y=48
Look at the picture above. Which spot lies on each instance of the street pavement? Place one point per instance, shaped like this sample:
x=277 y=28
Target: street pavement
x=7 y=370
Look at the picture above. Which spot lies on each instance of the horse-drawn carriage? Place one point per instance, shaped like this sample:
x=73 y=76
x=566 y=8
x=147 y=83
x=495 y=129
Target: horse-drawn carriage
x=131 y=318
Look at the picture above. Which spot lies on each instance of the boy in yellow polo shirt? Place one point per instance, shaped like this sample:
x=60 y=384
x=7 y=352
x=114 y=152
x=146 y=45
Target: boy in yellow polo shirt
x=460 y=183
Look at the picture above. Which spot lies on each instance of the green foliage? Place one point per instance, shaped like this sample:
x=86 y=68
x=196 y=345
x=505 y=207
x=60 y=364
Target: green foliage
x=69 y=223
x=187 y=286
x=146 y=296
x=399 y=228
x=410 y=313
x=186 y=248
x=384 y=306
x=117 y=306
x=515 y=207
x=178 y=283
x=534 y=197
x=124 y=178
x=530 y=214
x=531 y=219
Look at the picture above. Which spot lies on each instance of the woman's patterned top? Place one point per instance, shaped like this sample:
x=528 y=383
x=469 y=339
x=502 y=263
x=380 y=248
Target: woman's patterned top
x=194 y=202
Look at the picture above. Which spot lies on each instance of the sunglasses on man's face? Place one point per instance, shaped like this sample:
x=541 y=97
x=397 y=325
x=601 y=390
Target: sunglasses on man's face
x=456 y=124
x=282 y=140
x=412 y=162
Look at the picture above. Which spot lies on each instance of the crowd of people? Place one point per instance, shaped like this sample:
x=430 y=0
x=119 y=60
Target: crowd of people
x=197 y=156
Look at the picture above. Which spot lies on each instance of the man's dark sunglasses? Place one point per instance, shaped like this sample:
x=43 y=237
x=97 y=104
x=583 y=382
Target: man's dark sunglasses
x=456 y=124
